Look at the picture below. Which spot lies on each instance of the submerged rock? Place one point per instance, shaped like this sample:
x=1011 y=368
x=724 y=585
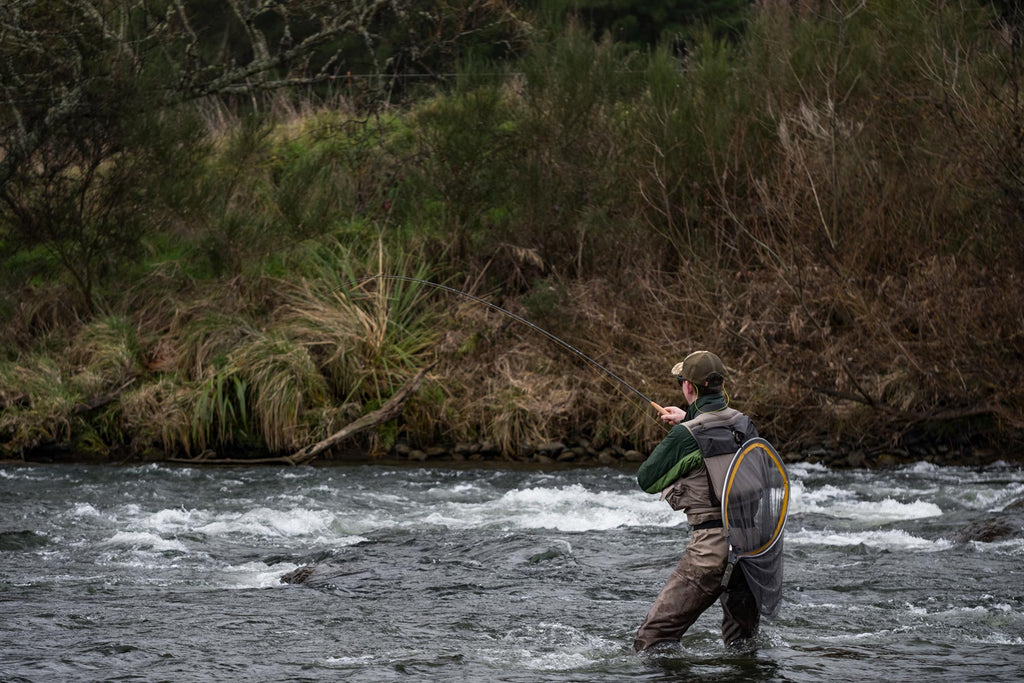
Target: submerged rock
x=324 y=575
x=298 y=575
x=989 y=530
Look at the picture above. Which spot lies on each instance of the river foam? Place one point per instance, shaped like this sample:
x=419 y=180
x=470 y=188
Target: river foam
x=889 y=539
x=572 y=508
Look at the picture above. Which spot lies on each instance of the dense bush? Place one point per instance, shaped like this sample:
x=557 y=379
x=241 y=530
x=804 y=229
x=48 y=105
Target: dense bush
x=832 y=201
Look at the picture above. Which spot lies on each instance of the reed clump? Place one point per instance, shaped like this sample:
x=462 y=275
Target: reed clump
x=831 y=201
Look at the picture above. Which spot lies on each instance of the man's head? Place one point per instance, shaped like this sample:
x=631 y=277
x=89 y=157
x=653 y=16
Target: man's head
x=703 y=369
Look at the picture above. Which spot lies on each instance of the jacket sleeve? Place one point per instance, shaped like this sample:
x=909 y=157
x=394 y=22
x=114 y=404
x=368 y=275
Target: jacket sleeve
x=676 y=456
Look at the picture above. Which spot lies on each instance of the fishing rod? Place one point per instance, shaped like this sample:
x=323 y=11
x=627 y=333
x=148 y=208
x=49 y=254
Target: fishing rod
x=561 y=342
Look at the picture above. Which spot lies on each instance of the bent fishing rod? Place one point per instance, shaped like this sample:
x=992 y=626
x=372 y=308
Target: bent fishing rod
x=561 y=342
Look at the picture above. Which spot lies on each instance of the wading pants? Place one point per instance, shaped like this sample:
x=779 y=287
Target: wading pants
x=694 y=586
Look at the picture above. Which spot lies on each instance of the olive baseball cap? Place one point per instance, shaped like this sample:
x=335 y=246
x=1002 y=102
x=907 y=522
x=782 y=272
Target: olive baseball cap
x=699 y=367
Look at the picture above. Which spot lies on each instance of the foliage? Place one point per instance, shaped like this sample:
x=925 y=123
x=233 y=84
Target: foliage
x=366 y=334
x=831 y=200
x=39 y=405
x=107 y=348
x=671 y=22
x=465 y=148
x=85 y=82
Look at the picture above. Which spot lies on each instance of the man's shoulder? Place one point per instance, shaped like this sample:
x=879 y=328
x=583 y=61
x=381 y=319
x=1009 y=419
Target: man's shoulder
x=714 y=417
x=680 y=431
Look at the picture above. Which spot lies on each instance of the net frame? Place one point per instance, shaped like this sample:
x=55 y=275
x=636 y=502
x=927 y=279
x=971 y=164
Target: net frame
x=730 y=479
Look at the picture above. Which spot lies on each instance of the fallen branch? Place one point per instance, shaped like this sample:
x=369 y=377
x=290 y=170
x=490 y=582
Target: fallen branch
x=390 y=410
x=100 y=401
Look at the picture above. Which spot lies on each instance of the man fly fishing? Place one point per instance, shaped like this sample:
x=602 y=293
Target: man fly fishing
x=688 y=469
x=736 y=506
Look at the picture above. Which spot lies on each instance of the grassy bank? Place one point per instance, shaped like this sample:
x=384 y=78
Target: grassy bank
x=833 y=202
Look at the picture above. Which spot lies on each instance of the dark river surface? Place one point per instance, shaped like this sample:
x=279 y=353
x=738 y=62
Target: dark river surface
x=172 y=574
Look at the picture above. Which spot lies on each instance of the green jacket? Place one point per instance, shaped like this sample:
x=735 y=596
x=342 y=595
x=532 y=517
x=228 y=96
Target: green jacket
x=678 y=454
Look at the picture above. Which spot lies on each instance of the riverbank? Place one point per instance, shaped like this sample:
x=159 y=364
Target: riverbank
x=558 y=455
x=852 y=263
x=222 y=383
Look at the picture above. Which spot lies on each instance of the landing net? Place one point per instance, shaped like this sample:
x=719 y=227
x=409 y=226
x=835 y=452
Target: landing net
x=755 y=500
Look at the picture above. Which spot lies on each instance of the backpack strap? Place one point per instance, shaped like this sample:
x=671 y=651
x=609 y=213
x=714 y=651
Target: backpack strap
x=719 y=434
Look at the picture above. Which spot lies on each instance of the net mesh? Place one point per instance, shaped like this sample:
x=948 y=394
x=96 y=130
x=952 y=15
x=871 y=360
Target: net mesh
x=754 y=505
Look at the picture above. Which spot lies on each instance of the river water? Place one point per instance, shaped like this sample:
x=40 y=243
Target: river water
x=170 y=573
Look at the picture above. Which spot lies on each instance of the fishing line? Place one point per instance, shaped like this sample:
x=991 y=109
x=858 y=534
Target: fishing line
x=561 y=342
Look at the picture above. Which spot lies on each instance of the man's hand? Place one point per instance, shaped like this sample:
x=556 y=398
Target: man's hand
x=673 y=415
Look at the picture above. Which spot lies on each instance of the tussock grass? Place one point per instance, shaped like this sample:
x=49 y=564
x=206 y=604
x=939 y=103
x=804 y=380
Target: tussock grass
x=205 y=341
x=106 y=350
x=278 y=378
x=39 y=404
x=158 y=417
x=364 y=335
x=367 y=333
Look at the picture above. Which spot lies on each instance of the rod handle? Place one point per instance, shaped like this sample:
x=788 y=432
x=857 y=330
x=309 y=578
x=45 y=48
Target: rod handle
x=658 y=408
x=728 y=574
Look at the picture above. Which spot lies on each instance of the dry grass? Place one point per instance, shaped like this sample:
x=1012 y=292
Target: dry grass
x=107 y=351
x=282 y=385
x=42 y=405
x=159 y=417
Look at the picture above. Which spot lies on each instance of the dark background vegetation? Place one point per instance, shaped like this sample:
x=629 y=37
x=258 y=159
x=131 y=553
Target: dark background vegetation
x=828 y=193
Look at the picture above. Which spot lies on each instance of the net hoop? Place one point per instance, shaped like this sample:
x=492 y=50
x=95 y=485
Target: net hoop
x=734 y=466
